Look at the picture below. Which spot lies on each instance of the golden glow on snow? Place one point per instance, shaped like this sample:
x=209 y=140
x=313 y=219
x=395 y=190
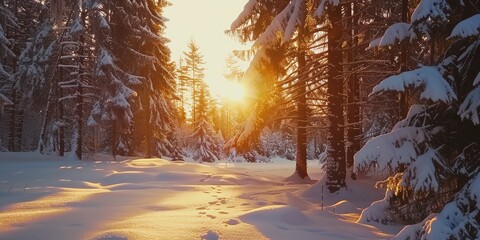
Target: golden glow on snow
x=21 y=214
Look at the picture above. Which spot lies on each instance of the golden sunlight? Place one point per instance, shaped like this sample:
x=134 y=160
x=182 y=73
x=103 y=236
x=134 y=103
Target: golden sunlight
x=207 y=30
x=233 y=91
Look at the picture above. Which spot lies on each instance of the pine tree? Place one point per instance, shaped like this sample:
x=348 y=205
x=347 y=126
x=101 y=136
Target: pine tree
x=205 y=145
x=195 y=71
x=7 y=63
x=144 y=85
x=433 y=153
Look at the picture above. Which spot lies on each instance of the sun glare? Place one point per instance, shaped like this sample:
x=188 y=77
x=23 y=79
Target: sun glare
x=234 y=92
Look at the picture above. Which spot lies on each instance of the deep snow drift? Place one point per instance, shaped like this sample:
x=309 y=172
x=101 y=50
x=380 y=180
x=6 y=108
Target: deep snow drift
x=47 y=197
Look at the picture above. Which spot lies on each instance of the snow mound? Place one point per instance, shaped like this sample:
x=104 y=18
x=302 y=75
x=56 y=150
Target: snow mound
x=147 y=163
x=232 y=222
x=295 y=179
x=276 y=214
x=111 y=237
x=180 y=176
x=210 y=235
x=229 y=179
x=127 y=177
x=343 y=207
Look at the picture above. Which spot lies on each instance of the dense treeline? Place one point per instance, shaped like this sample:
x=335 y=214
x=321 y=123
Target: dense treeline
x=87 y=76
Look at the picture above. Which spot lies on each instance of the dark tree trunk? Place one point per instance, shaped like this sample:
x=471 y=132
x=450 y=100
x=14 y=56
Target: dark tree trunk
x=13 y=121
x=353 y=113
x=61 y=129
x=403 y=98
x=79 y=104
x=149 y=131
x=336 y=164
x=301 y=154
x=19 y=130
x=113 y=139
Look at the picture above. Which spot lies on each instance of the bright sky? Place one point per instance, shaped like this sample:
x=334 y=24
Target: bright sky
x=205 y=21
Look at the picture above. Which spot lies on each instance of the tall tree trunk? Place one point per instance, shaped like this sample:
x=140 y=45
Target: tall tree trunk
x=403 y=98
x=301 y=154
x=61 y=129
x=149 y=131
x=353 y=113
x=49 y=110
x=113 y=140
x=19 y=130
x=79 y=104
x=13 y=121
x=336 y=164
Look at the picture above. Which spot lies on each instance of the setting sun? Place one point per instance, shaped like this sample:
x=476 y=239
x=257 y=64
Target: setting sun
x=233 y=91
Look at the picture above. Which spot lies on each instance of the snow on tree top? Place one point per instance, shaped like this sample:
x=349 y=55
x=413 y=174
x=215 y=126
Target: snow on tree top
x=247 y=11
x=467 y=28
x=470 y=106
x=390 y=150
x=431 y=9
x=436 y=88
x=477 y=80
x=77 y=27
x=395 y=33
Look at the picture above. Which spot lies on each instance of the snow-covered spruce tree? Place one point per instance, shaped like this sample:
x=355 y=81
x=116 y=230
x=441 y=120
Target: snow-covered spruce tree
x=205 y=145
x=7 y=58
x=77 y=77
x=7 y=21
x=433 y=154
x=113 y=108
x=35 y=67
x=26 y=16
x=135 y=61
x=34 y=64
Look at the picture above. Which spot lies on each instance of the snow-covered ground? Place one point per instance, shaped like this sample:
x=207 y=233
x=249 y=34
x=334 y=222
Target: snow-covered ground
x=47 y=197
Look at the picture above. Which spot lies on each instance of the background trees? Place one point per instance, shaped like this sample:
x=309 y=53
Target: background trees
x=96 y=70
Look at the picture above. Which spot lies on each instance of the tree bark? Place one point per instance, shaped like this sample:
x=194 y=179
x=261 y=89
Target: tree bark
x=301 y=102
x=336 y=164
x=113 y=139
x=79 y=105
x=13 y=120
x=403 y=98
x=353 y=113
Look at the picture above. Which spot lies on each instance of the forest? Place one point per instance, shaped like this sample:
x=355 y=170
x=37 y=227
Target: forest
x=382 y=88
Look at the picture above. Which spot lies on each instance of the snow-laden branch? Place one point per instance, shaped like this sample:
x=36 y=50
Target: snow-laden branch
x=394 y=34
x=390 y=150
x=244 y=15
x=431 y=9
x=278 y=25
x=436 y=88
x=470 y=106
x=296 y=19
x=467 y=28
x=4 y=101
